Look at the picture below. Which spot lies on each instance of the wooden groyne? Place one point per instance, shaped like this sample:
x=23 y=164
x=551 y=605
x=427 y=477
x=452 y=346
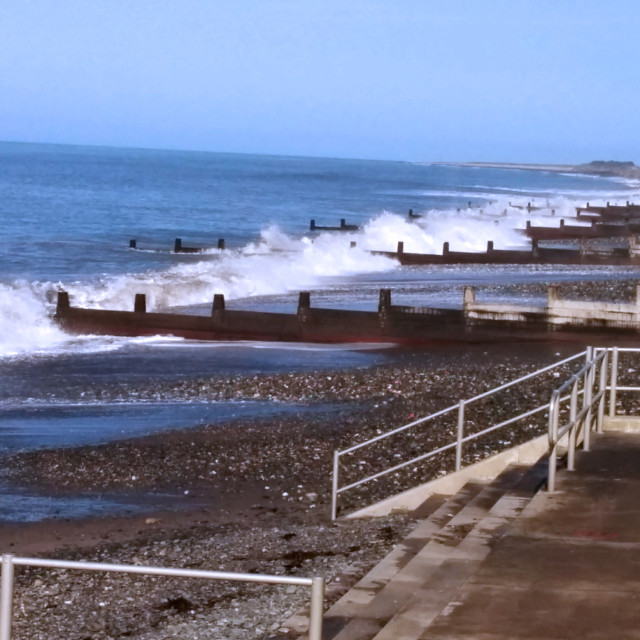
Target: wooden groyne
x=628 y=210
x=343 y=226
x=178 y=247
x=596 y=230
x=535 y=255
x=475 y=322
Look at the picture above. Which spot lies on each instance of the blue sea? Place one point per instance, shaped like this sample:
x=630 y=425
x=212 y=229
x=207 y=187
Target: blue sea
x=69 y=213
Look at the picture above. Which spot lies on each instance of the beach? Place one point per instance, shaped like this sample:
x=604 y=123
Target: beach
x=219 y=456
x=246 y=496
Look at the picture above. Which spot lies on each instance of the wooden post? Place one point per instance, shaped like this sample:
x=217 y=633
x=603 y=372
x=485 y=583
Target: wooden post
x=304 y=306
x=312 y=225
x=132 y=244
x=218 y=302
x=384 y=302
x=220 y=243
x=140 y=303
x=445 y=249
x=489 y=246
x=400 y=248
x=63 y=303
x=217 y=309
x=384 y=308
x=177 y=245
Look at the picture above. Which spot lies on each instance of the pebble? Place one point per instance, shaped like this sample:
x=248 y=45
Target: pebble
x=290 y=459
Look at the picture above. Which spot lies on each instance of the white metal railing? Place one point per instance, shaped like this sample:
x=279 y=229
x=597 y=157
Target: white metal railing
x=581 y=420
x=600 y=363
x=9 y=561
x=457 y=444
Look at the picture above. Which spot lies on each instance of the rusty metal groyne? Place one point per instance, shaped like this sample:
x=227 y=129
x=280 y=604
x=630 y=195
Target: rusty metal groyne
x=562 y=320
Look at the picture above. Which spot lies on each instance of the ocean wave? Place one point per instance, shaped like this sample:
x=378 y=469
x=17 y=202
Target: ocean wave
x=277 y=263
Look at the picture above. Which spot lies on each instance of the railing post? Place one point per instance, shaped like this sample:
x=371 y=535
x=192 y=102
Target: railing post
x=317 y=604
x=334 y=488
x=587 y=388
x=613 y=391
x=573 y=428
x=553 y=438
x=602 y=389
x=6 y=596
x=460 y=435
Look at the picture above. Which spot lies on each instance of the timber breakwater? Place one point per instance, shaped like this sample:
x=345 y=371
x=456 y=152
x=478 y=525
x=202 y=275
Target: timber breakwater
x=557 y=320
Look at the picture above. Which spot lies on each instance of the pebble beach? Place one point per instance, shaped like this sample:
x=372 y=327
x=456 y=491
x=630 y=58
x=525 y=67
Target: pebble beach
x=254 y=495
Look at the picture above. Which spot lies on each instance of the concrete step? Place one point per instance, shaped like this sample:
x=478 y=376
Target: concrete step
x=569 y=567
x=368 y=587
x=352 y=594
x=444 y=562
x=442 y=586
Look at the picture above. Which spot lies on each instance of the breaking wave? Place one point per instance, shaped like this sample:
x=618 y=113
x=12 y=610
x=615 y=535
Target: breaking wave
x=276 y=263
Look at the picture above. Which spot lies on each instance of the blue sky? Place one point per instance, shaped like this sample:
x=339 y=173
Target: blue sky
x=449 y=80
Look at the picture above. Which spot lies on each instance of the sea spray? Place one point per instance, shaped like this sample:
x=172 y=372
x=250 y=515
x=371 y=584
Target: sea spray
x=276 y=263
x=25 y=323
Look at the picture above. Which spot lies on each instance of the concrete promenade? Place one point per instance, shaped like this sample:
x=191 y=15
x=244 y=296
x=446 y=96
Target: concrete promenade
x=569 y=566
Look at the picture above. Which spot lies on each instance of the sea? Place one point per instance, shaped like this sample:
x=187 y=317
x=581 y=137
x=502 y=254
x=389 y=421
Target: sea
x=69 y=214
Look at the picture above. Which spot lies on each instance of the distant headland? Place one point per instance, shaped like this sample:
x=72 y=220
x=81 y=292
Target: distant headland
x=604 y=168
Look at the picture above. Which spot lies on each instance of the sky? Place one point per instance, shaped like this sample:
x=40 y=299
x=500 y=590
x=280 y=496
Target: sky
x=417 y=80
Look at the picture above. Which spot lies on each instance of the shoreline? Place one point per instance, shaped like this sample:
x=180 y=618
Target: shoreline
x=265 y=510
x=520 y=166
x=250 y=495
x=602 y=169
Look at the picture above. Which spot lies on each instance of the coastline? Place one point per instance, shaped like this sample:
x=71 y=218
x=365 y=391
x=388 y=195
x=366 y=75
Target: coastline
x=520 y=166
x=265 y=510
x=602 y=169
x=248 y=496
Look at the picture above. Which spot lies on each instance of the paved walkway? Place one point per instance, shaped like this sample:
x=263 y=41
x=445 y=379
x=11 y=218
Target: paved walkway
x=569 y=567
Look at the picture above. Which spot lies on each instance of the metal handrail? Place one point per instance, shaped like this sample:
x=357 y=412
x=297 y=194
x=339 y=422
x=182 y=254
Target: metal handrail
x=581 y=421
x=461 y=439
x=9 y=561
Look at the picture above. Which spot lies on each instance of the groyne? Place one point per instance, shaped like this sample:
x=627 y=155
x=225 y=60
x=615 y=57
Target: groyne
x=536 y=255
x=559 y=319
x=178 y=247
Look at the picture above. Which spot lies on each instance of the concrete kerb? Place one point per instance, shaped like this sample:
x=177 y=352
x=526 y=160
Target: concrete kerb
x=627 y=424
x=526 y=453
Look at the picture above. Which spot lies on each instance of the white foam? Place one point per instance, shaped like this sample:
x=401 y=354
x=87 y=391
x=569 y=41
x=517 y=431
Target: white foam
x=25 y=326
x=277 y=263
